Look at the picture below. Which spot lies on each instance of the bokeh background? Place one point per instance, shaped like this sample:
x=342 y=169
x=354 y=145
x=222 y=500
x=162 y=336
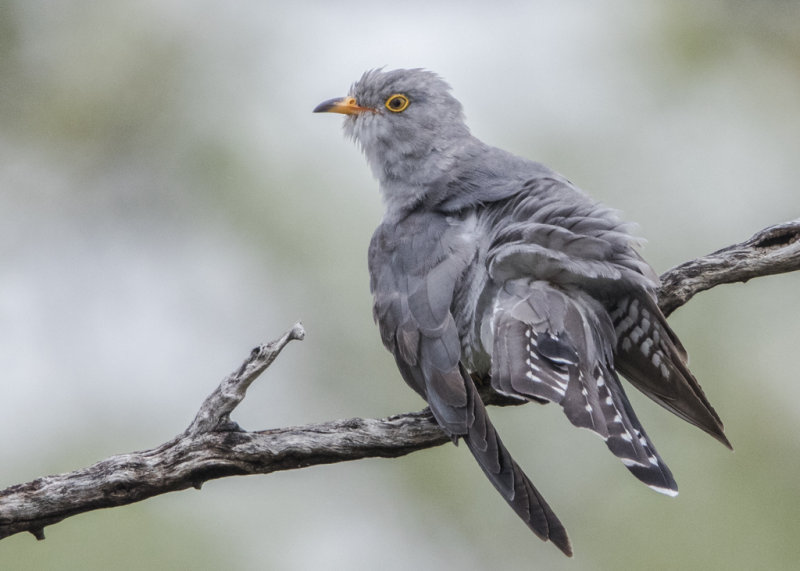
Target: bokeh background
x=168 y=201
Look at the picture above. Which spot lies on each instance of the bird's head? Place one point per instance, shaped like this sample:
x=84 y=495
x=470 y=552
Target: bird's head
x=406 y=121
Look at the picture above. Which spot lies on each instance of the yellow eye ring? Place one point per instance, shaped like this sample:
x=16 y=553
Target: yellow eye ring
x=397 y=103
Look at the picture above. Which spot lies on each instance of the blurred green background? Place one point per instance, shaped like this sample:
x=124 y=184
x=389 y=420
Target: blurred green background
x=168 y=201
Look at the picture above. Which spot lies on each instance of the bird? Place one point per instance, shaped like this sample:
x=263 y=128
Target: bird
x=492 y=270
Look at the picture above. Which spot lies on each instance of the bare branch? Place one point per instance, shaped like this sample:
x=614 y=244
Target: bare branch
x=214 y=447
x=191 y=459
x=217 y=408
x=773 y=250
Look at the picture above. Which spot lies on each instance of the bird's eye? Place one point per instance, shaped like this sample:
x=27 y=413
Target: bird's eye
x=397 y=103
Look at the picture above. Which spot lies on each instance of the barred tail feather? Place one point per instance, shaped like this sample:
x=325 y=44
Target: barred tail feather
x=629 y=442
x=555 y=344
x=651 y=357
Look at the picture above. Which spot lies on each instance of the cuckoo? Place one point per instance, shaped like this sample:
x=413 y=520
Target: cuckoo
x=490 y=268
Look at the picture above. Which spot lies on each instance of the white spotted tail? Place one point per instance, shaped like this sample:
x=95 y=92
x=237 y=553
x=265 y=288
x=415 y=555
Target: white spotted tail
x=651 y=357
x=556 y=344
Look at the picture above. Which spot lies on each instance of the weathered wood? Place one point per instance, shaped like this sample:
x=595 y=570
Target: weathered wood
x=773 y=250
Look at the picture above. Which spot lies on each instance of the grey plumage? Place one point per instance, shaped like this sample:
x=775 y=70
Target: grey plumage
x=490 y=266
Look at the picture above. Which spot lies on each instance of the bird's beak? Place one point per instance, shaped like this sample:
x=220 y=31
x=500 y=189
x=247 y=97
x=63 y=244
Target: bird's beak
x=345 y=105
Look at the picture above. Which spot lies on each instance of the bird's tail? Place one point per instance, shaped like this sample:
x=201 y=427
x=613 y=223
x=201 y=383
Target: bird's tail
x=506 y=475
x=651 y=357
x=553 y=344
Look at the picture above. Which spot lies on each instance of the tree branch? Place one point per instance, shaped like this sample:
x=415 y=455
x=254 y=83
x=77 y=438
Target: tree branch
x=773 y=250
x=214 y=447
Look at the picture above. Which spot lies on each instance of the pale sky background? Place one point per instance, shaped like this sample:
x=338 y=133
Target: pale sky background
x=168 y=201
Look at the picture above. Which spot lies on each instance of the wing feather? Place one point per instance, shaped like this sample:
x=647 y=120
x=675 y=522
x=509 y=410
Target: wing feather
x=566 y=359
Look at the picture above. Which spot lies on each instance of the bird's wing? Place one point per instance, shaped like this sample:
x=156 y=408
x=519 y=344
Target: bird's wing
x=552 y=231
x=413 y=282
x=557 y=263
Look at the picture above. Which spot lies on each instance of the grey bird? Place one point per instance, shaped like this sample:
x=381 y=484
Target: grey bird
x=490 y=268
